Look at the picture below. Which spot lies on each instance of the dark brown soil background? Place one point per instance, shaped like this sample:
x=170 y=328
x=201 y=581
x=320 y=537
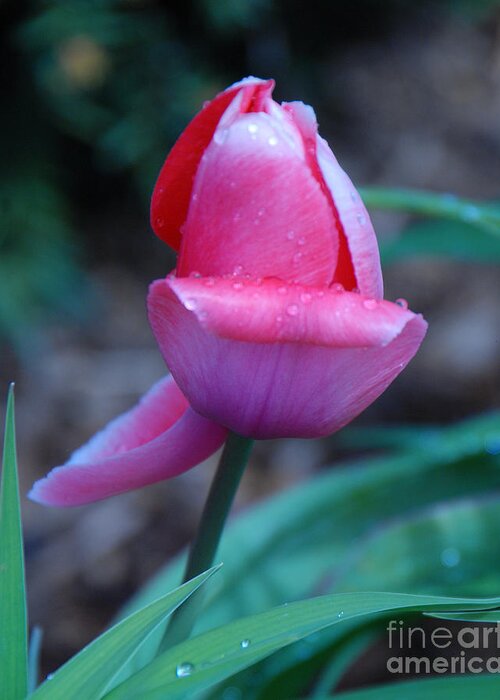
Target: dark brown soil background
x=420 y=108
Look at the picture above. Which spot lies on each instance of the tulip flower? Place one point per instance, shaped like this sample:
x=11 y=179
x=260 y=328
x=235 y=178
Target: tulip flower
x=273 y=323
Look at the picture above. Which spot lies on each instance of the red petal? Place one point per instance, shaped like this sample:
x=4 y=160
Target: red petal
x=172 y=193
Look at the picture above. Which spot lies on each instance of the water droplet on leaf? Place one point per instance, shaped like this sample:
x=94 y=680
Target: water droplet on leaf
x=184 y=669
x=450 y=557
x=245 y=643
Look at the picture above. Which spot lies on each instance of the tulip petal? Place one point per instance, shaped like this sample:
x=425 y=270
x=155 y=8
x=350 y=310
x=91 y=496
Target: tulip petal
x=256 y=206
x=172 y=192
x=158 y=439
x=356 y=223
x=267 y=311
x=280 y=386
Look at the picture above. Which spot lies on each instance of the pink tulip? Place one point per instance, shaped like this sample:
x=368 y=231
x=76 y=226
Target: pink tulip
x=273 y=323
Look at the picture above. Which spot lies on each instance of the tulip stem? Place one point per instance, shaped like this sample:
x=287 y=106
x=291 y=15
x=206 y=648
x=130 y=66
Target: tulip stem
x=220 y=498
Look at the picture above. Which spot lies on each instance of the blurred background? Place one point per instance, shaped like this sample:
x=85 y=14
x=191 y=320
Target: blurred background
x=94 y=94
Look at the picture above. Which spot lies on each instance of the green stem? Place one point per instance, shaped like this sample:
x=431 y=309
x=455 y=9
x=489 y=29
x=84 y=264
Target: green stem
x=225 y=483
x=445 y=206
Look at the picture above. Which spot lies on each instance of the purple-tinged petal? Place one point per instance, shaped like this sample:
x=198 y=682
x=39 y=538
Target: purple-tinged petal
x=274 y=389
x=158 y=439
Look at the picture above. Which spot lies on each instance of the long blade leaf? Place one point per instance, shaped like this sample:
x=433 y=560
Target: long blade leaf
x=13 y=617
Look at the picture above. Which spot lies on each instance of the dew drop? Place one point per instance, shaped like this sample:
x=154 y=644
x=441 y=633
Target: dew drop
x=305 y=297
x=272 y=141
x=194 y=197
x=190 y=304
x=450 y=557
x=183 y=670
x=354 y=196
x=337 y=287
x=282 y=290
x=340 y=614
x=370 y=304
x=492 y=444
x=252 y=128
x=279 y=319
x=49 y=677
x=471 y=213
x=160 y=221
x=220 y=135
x=195 y=275
x=290 y=235
x=236 y=217
x=238 y=286
x=301 y=241
x=245 y=643
x=209 y=282
x=361 y=219
x=297 y=257
x=261 y=212
x=238 y=269
x=292 y=310
x=402 y=303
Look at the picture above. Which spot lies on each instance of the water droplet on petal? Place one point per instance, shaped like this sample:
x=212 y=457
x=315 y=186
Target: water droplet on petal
x=305 y=297
x=297 y=257
x=402 y=303
x=245 y=643
x=160 y=221
x=290 y=235
x=354 y=196
x=252 y=128
x=238 y=286
x=337 y=287
x=301 y=241
x=370 y=304
x=184 y=669
x=355 y=290
x=195 y=274
x=292 y=310
x=282 y=290
x=272 y=141
x=190 y=304
x=220 y=135
x=279 y=319
x=238 y=269
x=361 y=219
x=194 y=197
x=236 y=217
x=209 y=282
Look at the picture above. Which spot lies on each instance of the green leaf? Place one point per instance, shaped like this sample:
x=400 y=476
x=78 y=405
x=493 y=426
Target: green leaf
x=432 y=204
x=34 y=651
x=88 y=674
x=486 y=687
x=315 y=529
x=13 y=617
x=448 y=239
x=216 y=655
x=445 y=549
